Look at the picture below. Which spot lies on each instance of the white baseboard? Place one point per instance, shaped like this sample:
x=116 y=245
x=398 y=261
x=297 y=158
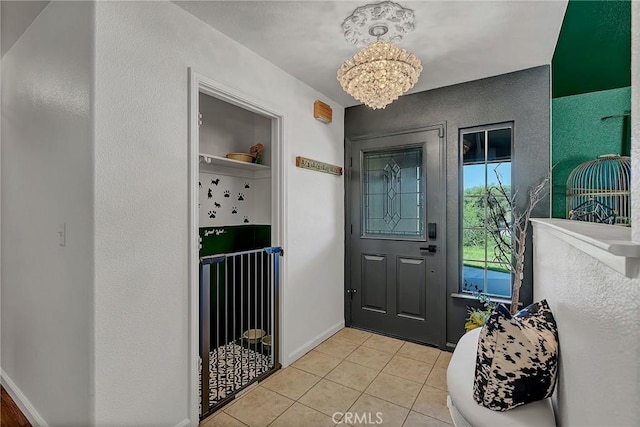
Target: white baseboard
x=21 y=400
x=303 y=349
x=184 y=423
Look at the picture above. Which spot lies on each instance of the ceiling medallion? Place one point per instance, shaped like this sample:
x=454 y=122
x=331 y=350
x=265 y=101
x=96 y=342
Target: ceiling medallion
x=382 y=71
x=358 y=26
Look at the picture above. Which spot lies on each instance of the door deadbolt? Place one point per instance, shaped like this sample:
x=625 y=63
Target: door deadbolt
x=431 y=231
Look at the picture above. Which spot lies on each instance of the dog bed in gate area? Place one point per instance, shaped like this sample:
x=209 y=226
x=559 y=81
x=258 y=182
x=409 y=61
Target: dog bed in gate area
x=232 y=367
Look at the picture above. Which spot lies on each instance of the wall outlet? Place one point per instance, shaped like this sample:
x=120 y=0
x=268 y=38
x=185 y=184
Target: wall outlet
x=62 y=234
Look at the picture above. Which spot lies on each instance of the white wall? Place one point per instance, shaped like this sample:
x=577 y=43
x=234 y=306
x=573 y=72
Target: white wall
x=226 y=128
x=229 y=129
x=249 y=200
x=17 y=16
x=47 y=179
x=635 y=117
x=598 y=312
x=141 y=297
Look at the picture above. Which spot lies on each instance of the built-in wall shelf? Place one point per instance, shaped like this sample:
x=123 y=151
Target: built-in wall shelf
x=208 y=161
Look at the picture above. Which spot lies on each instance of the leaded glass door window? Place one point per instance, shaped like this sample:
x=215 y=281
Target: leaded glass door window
x=393 y=188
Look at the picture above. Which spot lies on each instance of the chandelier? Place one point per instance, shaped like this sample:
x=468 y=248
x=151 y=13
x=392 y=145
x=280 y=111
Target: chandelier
x=382 y=71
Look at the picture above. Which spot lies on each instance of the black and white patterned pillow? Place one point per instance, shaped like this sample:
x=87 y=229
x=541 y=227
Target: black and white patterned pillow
x=517 y=359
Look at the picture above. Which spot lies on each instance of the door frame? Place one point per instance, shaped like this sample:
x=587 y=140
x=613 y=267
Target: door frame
x=201 y=83
x=348 y=161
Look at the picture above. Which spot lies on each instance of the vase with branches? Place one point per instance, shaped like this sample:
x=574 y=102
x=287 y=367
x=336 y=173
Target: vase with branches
x=508 y=227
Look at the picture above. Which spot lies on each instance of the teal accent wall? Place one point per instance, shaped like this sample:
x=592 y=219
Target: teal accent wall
x=593 y=52
x=579 y=134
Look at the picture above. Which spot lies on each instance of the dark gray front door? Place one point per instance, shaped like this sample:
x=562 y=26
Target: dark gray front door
x=396 y=257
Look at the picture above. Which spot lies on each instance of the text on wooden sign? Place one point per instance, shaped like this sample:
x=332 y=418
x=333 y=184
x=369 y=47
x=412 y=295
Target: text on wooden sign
x=303 y=162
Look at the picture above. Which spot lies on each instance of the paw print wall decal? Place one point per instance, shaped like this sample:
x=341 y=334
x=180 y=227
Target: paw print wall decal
x=241 y=196
x=234 y=210
x=209 y=194
x=215 y=181
x=246 y=185
x=212 y=214
x=199 y=184
x=245 y=219
x=226 y=193
x=217 y=205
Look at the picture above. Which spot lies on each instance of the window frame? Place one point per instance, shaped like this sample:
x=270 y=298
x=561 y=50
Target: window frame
x=461 y=132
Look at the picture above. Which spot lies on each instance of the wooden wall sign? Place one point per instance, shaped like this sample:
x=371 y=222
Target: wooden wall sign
x=303 y=162
x=322 y=112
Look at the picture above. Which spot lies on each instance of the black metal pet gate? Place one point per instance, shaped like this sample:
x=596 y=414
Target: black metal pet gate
x=238 y=323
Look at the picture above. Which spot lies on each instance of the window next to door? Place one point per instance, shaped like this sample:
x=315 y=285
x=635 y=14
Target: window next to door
x=485 y=154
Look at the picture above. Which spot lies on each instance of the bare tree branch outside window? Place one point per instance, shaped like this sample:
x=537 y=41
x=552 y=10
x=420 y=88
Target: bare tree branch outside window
x=508 y=228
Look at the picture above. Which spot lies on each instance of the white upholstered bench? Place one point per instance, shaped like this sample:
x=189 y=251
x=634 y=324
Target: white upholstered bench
x=466 y=412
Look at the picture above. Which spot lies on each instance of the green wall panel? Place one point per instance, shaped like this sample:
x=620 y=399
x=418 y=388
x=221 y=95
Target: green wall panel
x=235 y=238
x=235 y=277
x=579 y=134
x=593 y=52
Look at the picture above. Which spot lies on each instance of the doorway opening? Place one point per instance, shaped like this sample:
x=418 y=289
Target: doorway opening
x=235 y=212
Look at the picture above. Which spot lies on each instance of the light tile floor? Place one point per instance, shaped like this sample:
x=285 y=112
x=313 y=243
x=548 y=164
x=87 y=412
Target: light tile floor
x=353 y=372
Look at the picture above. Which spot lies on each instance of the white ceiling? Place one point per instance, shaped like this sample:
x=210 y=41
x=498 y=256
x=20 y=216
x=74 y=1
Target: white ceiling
x=16 y=18
x=456 y=41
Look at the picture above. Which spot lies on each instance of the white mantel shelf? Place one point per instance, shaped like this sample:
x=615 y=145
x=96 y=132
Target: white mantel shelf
x=609 y=244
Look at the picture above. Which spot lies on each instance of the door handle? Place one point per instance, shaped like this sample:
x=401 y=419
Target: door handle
x=430 y=248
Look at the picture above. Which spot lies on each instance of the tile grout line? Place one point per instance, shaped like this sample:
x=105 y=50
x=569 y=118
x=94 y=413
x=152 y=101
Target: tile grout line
x=382 y=351
x=372 y=381
x=296 y=400
x=313 y=373
x=331 y=381
x=283 y=412
x=428 y=415
x=414 y=399
x=374 y=378
x=244 y=424
x=343 y=359
x=422 y=385
x=318 y=411
x=324 y=377
x=417 y=395
x=360 y=393
x=255 y=388
x=222 y=411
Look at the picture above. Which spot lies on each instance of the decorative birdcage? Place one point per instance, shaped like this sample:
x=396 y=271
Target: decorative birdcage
x=599 y=191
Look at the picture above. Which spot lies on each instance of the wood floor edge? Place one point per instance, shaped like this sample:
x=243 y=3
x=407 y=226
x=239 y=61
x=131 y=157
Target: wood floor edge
x=10 y=414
